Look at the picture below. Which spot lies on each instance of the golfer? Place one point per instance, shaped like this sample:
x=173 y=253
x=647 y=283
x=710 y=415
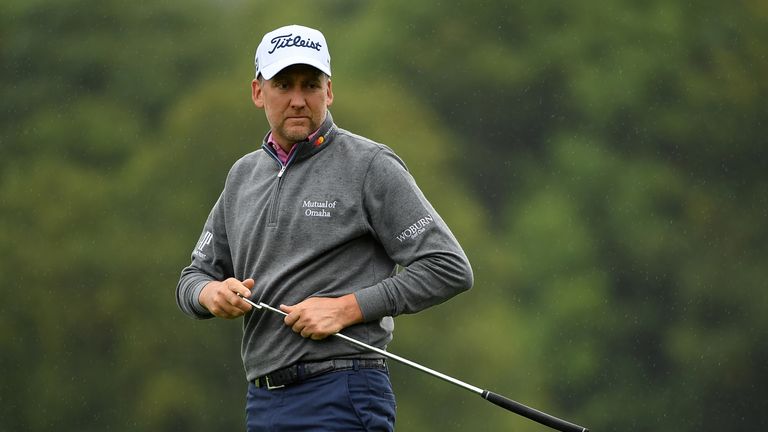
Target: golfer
x=315 y=222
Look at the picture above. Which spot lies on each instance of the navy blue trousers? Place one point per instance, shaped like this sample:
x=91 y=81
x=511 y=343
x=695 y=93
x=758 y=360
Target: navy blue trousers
x=347 y=400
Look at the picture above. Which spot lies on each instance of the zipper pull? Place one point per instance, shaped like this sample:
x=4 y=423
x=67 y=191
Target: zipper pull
x=282 y=170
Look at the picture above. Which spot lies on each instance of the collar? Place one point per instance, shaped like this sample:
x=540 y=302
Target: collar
x=314 y=144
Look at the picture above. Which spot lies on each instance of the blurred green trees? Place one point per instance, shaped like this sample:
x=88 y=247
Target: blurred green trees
x=603 y=165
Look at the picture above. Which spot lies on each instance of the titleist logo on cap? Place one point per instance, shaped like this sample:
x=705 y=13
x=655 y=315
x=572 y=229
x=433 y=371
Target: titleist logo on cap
x=290 y=45
x=287 y=41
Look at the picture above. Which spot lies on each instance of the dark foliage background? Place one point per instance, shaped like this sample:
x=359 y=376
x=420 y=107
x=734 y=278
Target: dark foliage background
x=603 y=164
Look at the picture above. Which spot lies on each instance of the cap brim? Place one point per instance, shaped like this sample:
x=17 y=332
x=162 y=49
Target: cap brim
x=272 y=70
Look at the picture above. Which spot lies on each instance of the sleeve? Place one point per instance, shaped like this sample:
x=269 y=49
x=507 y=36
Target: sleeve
x=211 y=261
x=415 y=237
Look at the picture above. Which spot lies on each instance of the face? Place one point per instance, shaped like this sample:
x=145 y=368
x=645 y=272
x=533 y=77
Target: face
x=295 y=101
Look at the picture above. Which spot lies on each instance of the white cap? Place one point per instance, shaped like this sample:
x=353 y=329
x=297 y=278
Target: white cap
x=292 y=45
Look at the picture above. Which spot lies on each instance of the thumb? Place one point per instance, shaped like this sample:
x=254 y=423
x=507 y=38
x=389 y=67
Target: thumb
x=248 y=284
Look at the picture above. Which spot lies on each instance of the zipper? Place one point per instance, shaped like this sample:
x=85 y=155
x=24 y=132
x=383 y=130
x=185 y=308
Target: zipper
x=274 y=202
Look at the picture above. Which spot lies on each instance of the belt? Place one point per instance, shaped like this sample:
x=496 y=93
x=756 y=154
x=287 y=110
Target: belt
x=303 y=371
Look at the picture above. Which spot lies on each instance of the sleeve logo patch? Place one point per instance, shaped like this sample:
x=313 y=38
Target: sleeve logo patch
x=415 y=229
x=205 y=240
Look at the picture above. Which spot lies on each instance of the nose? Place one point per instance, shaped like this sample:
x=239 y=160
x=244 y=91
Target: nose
x=297 y=99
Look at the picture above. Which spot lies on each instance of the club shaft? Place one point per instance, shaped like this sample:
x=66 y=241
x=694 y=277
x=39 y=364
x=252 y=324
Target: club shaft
x=387 y=354
x=499 y=400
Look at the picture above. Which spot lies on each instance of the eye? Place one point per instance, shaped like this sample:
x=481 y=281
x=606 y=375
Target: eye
x=282 y=85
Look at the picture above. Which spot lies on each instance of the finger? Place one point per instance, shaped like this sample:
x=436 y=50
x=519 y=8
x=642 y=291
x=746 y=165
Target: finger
x=249 y=283
x=238 y=287
x=232 y=305
x=230 y=313
x=299 y=328
x=225 y=310
x=238 y=307
x=240 y=302
x=292 y=317
x=242 y=305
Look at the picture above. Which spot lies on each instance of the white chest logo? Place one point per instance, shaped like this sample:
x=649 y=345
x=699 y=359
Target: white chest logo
x=318 y=208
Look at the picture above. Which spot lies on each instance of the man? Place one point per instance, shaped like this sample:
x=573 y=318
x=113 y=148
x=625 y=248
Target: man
x=315 y=221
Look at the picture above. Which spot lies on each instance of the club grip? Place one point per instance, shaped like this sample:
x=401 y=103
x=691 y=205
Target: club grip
x=533 y=414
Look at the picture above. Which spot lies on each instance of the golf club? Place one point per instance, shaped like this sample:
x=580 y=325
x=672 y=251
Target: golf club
x=497 y=399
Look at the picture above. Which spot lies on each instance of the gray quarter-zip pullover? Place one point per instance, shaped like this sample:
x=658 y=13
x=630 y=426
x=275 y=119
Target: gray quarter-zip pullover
x=334 y=220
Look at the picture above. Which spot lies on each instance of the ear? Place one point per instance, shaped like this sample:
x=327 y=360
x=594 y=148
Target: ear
x=329 y=94
x=257 y=94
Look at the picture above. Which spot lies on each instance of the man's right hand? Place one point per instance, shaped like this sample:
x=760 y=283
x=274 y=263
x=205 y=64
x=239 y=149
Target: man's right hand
x=221 y=298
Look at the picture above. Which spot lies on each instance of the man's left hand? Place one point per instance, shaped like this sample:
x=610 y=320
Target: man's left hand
x=320 y=317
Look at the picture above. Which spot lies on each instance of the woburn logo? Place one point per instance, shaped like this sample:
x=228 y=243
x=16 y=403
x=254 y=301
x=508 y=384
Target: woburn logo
x=416 y=229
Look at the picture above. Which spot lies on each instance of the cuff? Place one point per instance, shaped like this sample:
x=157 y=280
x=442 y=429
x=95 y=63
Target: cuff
x=373 y=303
x=199 y=309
